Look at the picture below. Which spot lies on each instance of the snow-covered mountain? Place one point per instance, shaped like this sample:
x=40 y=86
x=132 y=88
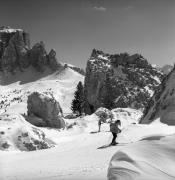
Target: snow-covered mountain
x=129 y=80
x=24 y=70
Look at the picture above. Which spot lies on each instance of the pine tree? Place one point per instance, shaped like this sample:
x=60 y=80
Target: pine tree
x=78 y=101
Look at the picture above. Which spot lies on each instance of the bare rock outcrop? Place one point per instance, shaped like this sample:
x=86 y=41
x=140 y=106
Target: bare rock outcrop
x=38 y=56
x=46 y=109
x=14 y=45
x=52 y=61
x=119 y=81
x=162 y=105
x=15 y=52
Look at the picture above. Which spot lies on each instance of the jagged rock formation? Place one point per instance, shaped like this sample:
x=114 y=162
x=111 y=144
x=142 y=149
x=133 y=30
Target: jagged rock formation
x=162 y=104
x=52 y=60
x=38 y=56
x=14 y=45
x=15 y=52
x=44 y=110
x=128 y=79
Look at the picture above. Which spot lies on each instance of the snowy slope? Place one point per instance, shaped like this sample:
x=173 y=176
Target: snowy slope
x=76 y=159
x=76 y=155
x=15 y=88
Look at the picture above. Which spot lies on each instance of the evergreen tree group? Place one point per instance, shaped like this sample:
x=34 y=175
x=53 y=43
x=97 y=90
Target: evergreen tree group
x=78 y=101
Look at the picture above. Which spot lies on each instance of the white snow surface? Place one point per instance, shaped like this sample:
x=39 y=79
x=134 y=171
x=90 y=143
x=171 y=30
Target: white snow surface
x=144 y=152
x=149 y=159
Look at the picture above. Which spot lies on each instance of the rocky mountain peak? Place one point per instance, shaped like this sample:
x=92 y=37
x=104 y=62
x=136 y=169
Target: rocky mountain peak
x=15 y=52
x=130 y=79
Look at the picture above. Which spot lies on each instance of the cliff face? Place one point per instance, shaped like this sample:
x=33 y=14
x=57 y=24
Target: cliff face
x=14 y=44
x=129 y=81
x=15 y=52
x=162 y=104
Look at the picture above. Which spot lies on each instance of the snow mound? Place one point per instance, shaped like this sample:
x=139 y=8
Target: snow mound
x=84 y=124
x=89 y=123
x=127 y=116
x=153 y=160
x=153 y=157
x=18 y=134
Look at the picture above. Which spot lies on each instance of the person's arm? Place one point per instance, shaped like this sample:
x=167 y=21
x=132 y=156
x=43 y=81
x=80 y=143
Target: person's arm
x=119 y=130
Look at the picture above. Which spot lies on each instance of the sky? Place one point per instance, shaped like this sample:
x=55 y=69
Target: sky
x=74 y=27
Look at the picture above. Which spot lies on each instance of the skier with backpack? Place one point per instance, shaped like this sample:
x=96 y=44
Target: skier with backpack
x=114 y=128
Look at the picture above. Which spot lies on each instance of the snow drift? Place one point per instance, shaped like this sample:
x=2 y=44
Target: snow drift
x=149 y=154
x=17 y=134
x=149 y=159
x=127 y=116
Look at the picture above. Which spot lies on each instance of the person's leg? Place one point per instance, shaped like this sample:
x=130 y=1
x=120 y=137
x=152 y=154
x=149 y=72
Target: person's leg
x=114 y=138
x=99 y=126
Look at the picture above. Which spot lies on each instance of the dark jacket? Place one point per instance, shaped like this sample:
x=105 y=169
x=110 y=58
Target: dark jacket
x=114 y=128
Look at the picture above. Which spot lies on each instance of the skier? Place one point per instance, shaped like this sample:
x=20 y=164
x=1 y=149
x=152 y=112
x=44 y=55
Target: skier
x=114 y=128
